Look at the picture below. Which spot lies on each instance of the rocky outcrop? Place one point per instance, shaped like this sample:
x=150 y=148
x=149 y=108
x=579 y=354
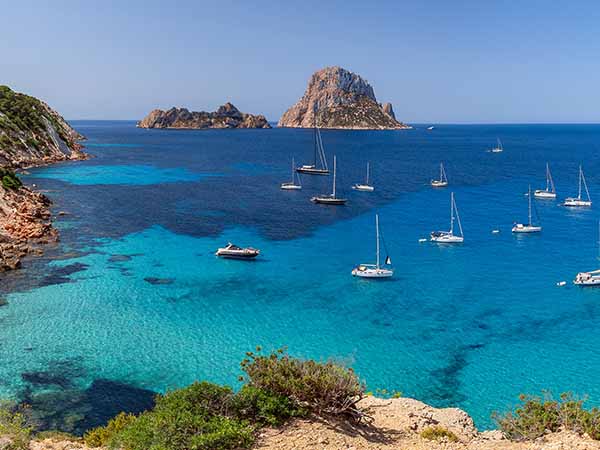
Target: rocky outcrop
x=226 y=116
x=338 y=98
x=32 y=133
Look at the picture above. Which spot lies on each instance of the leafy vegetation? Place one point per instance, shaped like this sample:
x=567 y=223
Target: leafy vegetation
x=9 y=179
x=438 y=433
x=536 y=416
x=14 y=426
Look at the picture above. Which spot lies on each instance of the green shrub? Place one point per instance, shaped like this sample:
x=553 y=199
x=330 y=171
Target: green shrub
x=438 y=433
x=101 y=436
x=9 y=179
x=537 y=416
x=14 y=425
x=264 y=408
x=319 y=387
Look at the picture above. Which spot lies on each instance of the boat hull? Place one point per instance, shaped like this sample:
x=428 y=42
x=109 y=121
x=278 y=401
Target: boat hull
x=329 y=200
x=290 y=187
x=438 y=183
x=545 y=195
x=363 y=188
x=237 y=256
x=312 y=171
x=577 y=203
x=372 y=273
x=587 y=279
x=520 y=228
x=445 y=238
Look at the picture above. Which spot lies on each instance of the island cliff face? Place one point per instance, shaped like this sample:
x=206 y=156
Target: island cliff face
x=227 y=116
x=338 y=98
x=31 y=134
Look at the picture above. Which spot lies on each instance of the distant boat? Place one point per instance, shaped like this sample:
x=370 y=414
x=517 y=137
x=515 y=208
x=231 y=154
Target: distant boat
x=430 y=128
x=529 y=227
x=364 y=187
x=549 y=192
x=374 y=270
x=498 y=148
x=448 y=237
x=578 y=201
x=235 y=252
x=591 y=278
x=291 y=185
x=319 y=157
x=443 y=181
x=331 y=199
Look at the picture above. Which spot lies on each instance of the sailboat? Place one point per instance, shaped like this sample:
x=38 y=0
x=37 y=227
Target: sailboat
x=364 y=187
x=498 y=148
x=549 y=192
x=578 y=201
x=312 y=169
x=529 y=227
x=291 y=185
x=591 y=278
x=330 y=199
x=448 y=237
x=374 y=270
x=443 y=181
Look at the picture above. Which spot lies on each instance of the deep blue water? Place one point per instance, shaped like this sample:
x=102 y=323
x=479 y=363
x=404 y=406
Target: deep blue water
x=133 y=299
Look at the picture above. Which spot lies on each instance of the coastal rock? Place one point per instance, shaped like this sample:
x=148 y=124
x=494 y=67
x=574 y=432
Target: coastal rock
x=226 y=116
x=338 y=98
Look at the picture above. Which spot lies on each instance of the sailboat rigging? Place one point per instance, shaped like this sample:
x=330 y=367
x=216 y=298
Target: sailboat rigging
x=578 y=201
x=448 y=237
x=291 y=185
x=364 y=187
x=529 y=227
x=331 y=199
x=443 y=181
x=498 y=148
x=319 y=157
x=375 y=270
x=550 y=191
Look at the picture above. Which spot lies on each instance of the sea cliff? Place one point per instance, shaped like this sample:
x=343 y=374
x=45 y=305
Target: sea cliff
x=31 y=134
x=338 y=98
x=226 y=116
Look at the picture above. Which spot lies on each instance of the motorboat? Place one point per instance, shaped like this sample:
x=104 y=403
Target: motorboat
x=235 y=252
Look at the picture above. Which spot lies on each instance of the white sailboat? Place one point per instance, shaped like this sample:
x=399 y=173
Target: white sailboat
x=374 y=270
x=578 y=201
x=330 y=199
x=443 y=181
x=319 y=157
x=498 y=148
x=364 y=187
x=591 y=278
x=550 y=191
x=529 y=227
x=448 y=237
x=291 y=185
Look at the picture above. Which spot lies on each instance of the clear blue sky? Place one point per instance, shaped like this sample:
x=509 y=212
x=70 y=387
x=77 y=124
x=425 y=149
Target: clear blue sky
x=436 y=61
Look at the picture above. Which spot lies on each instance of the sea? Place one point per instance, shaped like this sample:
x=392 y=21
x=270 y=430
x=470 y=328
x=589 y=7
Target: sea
x=133 y=301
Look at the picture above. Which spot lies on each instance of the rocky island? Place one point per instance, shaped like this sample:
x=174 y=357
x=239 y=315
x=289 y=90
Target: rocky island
x=338 y=98
x=226 y=116
x=31 y=134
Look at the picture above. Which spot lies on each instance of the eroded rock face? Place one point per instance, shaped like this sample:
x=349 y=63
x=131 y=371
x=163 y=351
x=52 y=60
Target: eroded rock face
x=226 y=116
x=338 y=98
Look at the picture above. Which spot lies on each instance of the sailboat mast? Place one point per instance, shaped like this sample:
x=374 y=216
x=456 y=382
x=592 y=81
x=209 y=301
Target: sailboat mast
x=334 y=174
x=452 y=213
x=377 y=236
x=367 y=173
x=547 y=178
x=529 y=195
x=441 y=172
x=580 y=175
x=293 y=171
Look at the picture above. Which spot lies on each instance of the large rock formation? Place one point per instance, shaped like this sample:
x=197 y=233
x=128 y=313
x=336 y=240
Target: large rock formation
x=338 y=98
x=31 y=134
x=227 y=116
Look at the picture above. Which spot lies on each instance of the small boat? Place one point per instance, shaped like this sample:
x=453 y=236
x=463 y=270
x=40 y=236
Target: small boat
x=591 y=278
x=549 y=193
x=561 y=283
x=330 y=199
x=443 y=181
x=430 y=128
x=235 y=252
x=448 y=237
x=578 y=201
x=291 y=185
x=375 y=270
x=498 y=148
x=364 y=187
x=319 y=157
x=495 y=231
x=529 y=227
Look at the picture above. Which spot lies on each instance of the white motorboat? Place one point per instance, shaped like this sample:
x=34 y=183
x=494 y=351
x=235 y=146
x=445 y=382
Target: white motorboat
x=330 y=199
x=374 y=270
x=291 y=185
x=498 y=148
x=364 y=187
x=443 y=181
x=587 y=278
x=319 y=165
x=578 y=201
x=550 y=192
x=529 y=227
x=430 y=128
x=448 y=237
x=235 y=252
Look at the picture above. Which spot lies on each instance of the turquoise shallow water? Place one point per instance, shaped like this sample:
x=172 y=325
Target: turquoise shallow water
x=144 y=302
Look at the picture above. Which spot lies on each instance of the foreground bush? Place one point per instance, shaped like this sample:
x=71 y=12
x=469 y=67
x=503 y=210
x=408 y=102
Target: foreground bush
x=438 y=433
x=537 y=416
x=9 y=179
x=323 y=388
x=14 y=426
